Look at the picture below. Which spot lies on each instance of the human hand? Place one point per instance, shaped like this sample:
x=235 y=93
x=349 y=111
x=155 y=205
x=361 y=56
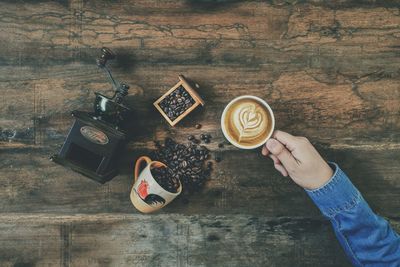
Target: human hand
x=296 y=156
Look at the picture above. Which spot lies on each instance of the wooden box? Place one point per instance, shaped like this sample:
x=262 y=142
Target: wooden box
x=189 y=89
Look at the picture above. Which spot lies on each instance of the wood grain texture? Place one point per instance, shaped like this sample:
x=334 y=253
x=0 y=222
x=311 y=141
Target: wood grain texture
x=329 y=69
x=352 y=113
x=31 y=183
x=164 y=240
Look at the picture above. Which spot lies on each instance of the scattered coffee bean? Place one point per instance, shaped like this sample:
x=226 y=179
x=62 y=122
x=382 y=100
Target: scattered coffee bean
x=221 y=145
x=169 y=142
x=195 y=141
x=166 y=179
x=191 y=137
x=183 y=164
x=197 y=126
x=202 y=136
x=157 y=144
x=217 y=159
x=203 y=149
x=176 y=103
x=207 y=141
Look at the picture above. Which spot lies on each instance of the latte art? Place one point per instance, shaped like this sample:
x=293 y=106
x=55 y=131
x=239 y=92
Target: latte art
x=247 y=122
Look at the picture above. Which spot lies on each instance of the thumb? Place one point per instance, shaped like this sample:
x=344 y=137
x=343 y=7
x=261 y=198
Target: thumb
x=280 y=151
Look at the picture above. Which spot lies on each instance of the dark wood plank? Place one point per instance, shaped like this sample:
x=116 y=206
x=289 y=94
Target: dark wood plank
x=322 y=63
x=259 y=33
x=305 y=103
x=31 y=183
x=168 y=240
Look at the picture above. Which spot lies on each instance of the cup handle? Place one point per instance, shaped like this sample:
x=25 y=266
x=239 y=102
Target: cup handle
x=137 y=165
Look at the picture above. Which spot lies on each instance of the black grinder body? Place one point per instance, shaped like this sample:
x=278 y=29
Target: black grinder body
x=96 y=139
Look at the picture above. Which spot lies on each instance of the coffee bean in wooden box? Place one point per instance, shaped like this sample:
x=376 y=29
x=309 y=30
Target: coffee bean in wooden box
x=178 y=101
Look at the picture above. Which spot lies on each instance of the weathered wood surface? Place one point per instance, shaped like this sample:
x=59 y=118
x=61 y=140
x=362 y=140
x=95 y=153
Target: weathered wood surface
x=325 y=64
x=31 y=183
x=329 y=70
x=164 y=240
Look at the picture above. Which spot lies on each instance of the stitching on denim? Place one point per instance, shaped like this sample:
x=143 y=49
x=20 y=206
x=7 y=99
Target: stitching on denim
x=355 y=200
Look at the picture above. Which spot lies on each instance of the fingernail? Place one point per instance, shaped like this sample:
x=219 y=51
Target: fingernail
x=271 y=144
x=264 y=151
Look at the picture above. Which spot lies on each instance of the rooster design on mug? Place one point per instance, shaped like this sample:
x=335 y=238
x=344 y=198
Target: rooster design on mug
x=151 y=199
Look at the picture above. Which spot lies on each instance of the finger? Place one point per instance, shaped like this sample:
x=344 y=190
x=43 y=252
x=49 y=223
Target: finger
x=281 y=169
x=275 y=159
x=280 y=151
x=278 y=165
x=264 y=150
x=285 y=138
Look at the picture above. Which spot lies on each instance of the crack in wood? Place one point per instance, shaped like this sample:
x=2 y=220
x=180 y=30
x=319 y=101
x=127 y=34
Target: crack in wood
x=66 y=244
x=329 y=71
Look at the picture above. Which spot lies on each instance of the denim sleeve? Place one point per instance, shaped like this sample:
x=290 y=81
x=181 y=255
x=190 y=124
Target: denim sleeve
x=367 y=238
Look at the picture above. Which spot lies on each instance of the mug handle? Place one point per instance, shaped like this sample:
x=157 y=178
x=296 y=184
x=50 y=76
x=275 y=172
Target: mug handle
x=138 y=163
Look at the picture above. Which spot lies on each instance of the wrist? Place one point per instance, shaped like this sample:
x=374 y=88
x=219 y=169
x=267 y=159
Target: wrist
x=325 y=176
x=336 y=195
x=321 y=176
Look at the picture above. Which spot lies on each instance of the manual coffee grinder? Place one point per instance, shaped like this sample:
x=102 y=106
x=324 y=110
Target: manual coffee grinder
x=96 y=138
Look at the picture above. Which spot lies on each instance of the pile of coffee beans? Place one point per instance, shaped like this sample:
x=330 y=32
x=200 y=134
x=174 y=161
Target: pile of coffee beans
x=176 y=103
x=187 y=162
x=166 y=179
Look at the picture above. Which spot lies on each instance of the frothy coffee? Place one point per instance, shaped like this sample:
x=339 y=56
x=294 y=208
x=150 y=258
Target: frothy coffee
x=247 y=122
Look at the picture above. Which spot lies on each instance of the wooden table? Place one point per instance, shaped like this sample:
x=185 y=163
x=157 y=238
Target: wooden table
x=330 y=72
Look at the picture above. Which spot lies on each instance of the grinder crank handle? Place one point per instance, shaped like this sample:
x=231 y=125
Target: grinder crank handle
x=107 y=54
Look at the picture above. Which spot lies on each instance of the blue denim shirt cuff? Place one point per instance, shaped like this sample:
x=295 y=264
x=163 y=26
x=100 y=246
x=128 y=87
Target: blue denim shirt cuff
x=337 y=195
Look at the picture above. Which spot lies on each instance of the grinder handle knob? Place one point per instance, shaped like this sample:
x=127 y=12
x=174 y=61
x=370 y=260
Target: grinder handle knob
x=106 y=54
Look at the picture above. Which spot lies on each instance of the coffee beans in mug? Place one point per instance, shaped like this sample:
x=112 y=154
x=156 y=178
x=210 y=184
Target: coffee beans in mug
x=187 y=162
x=165 y=178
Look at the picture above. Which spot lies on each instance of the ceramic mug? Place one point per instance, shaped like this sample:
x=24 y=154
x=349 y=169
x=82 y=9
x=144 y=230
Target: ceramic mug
x=146 y=194
x=267 y=108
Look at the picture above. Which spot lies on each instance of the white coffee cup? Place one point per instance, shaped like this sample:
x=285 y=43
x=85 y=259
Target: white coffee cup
x=260 y=101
